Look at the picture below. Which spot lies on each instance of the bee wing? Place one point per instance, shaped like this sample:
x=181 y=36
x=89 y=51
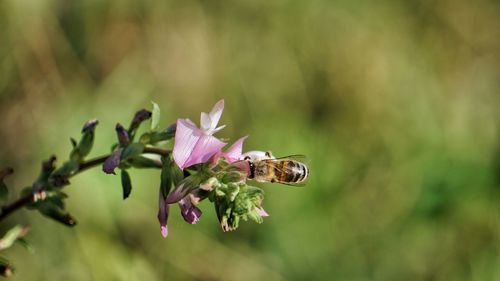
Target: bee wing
x=296 y=157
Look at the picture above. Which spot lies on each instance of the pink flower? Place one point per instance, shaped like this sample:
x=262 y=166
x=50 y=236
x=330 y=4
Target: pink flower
x=195 y=145
x=261 y=212
x=233 y=154
x=189 y=211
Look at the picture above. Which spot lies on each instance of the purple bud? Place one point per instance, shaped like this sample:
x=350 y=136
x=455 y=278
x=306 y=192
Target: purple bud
x=90 y=125
x=189 y=212
x=179 y=192
x=122 y=134
x=140 y=116
x=112 y=162
x=163 y=211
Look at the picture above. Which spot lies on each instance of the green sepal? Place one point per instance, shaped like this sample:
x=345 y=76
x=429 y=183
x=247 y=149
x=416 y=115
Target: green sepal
x=233 y=176
x=12 y=235
x=56 y=213
x=237 y=201
x=83 y=148
x=67 y=169
x=27 y=245
x=74 y=143
x=155 y=117
x=132 y=150
x=155 y=137
x=126 y=184
x=144 y=162
x=171 y=175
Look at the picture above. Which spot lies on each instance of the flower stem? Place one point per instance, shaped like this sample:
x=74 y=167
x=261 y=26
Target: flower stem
x=28 y=199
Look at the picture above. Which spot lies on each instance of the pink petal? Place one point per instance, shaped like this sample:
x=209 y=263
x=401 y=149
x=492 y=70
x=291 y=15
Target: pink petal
x=187 y=136
x=209 y=121
x=233 y=154
x=205 y=148
x=261 y=212
x=216 y=157
x=164 y=231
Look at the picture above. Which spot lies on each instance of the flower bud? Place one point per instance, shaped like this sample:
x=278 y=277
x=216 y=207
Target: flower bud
x=123 y=138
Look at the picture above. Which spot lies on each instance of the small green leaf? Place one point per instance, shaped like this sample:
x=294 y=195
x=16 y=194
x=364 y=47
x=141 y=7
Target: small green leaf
x=155 y=137
x=144 y=162
x=126 y=184
x=23 y=242
x=84 y=147
x=171 y=175
x=66 y=169
x=86 y=144
x=54 y=212
x=12 y=235
x=155 y=117
x=56 y=198
x=132 y=150
x=73 y=142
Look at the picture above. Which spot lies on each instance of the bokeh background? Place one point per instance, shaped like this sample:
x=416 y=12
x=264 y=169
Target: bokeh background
x=395 y=103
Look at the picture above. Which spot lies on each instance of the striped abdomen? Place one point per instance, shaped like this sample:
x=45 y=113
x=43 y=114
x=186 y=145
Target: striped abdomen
x=281 y=170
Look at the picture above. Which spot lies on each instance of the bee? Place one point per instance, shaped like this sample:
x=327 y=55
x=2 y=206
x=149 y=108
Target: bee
x=290 y=170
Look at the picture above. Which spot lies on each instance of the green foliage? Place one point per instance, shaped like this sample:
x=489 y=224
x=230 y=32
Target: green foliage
x=83 y=148
x=131 y=151
x=155 y=117
x=126 y=184
x=170 y=176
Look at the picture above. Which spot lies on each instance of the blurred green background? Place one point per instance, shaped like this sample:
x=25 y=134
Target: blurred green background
x=395 y=103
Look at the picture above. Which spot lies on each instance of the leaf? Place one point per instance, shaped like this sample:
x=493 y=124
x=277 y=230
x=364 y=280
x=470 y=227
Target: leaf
x=155 y=137
x=66 y=169
x=155 y=117
x=83 y=148
x=171 y=175
x=144 y=162
x=12 y=235
x=55 y=197
x=23 y=242
x=51 y=210
x=86 y=144
x=126 y=184
x=132 y=150
x=73 y=142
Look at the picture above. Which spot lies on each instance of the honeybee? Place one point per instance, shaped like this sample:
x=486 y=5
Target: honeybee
x=290 y=170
